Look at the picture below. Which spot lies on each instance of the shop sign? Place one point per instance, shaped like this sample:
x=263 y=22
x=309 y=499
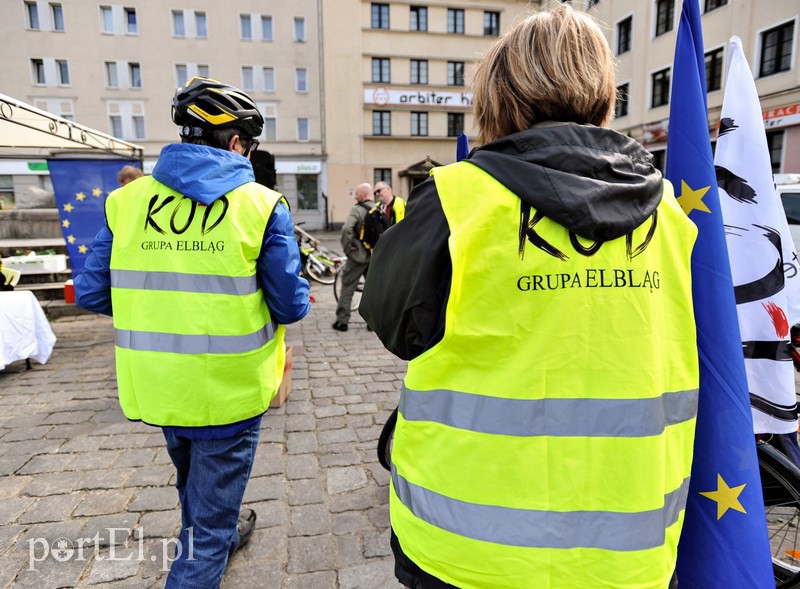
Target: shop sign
x=295 y=167
x=784 y=116
x=416 y=97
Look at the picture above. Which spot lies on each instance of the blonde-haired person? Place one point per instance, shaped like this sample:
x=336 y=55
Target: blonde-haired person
x=541 y=290
x=128 y=174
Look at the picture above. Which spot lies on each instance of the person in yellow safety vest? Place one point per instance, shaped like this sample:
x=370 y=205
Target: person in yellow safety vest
x=392 y=206
x=199 y=268
x=541 y=291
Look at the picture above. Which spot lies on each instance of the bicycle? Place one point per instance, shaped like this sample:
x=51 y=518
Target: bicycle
x=318 y=262
x=337 y=288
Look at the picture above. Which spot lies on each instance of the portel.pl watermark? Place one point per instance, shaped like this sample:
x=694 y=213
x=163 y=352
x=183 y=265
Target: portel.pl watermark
x=82 y=549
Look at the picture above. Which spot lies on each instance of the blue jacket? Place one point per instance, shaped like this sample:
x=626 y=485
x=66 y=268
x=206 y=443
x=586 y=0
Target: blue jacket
x=205 y=174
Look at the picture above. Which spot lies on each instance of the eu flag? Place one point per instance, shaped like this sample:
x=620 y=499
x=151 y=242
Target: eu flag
x=724 y=542
x=81 y=187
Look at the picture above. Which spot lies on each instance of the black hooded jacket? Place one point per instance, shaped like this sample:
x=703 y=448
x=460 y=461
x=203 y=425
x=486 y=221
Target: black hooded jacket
x=594 y=181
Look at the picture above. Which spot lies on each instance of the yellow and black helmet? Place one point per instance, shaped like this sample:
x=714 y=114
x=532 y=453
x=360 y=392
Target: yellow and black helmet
x=205 y=104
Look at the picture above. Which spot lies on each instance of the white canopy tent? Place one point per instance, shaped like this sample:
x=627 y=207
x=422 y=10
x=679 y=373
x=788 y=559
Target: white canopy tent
x=25 y=127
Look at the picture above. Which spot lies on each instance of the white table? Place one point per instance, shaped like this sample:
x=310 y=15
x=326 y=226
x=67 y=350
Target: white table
x=24 y=329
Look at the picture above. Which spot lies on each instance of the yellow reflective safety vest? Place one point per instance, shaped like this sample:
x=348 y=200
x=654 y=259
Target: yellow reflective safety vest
x=546 y=440
x=398 y=209
x=195 y=342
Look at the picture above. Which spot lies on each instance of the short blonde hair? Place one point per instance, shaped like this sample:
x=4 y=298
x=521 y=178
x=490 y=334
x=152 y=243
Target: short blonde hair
x=553 y=66
x=128 y=174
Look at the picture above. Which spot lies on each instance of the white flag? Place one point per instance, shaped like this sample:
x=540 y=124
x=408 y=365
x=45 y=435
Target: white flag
x=765 y=270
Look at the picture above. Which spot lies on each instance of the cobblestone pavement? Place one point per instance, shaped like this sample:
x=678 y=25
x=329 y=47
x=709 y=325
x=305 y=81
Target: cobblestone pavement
x=73 y=468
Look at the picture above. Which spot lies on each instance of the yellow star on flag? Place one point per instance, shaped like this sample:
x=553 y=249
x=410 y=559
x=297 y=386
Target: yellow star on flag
x=725 y=496
x=97 y=192
x=65 y=223
x=83 y=249
x=80 y=196
x=68 y=207
x=71 y=238
x=691 y=200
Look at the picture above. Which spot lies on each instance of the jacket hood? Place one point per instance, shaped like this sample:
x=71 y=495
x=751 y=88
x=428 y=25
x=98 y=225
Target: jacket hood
x=201 y=172
x=596 y=182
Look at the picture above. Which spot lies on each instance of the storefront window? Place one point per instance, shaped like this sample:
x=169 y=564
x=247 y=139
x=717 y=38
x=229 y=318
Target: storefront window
x=307 y=192
x=6 y=192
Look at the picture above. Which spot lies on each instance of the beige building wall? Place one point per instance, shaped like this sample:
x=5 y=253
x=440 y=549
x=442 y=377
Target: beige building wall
x=747 y=19
x=351 y=96
x=159 y=51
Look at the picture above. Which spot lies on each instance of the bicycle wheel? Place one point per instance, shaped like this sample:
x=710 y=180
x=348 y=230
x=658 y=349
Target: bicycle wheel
x=386 y=440
x=337 y=288
x=780 y=482
x=319 y=271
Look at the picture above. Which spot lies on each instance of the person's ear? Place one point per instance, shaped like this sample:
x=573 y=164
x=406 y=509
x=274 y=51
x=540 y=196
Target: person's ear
x=233 y=142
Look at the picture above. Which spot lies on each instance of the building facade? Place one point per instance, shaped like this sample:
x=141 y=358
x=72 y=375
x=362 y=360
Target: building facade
x=115 y=67
x=397 y=78
x=355 y=90
x=642 y=35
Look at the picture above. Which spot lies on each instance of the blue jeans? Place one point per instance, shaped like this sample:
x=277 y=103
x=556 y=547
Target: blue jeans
x=212 y=476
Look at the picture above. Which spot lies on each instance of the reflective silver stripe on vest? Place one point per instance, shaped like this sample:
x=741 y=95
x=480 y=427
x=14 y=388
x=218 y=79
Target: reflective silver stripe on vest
x=628 y=418
x=177 y=281
x=530 y=528
x=151 y=341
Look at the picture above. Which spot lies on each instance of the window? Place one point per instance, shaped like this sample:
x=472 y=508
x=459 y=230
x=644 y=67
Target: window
x=714 y=4
x=300 y=29
x=57 y=106
x=455 y=124
x=126 y=119
x=665 y=16
x=201 y=24
x=57 y=16
x=115 y=122
x=380 y=16
x=381 y=122
x=382 y=175
x=307 y=190
x=202 y=70
x=180 y=74
x=135 y=73
x=269 y=79
x=776 y=49
x=130 y=21
x=660 y=88
x=455 y=21
x=32 y=11
x=6 y=192
x=37 y=66
x=455 y=73
x=624 y=28
x=775 y=146
x=178 y=25
x=138 y=127
x=418 y=19
x=270 y=112
x=419 y=124
x=62 y=69
x=623 y=96
x=302 y=129
x=714 y=70
x=245 y=27
x=106 y=19
x=247 y=77
x=491 y=23
x=301 y=79
x=380 y=70
x=112 y=79
x=419 y=71
x=266 y=28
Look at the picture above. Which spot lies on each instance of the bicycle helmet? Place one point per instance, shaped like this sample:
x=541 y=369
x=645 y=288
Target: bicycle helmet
x=204 y=104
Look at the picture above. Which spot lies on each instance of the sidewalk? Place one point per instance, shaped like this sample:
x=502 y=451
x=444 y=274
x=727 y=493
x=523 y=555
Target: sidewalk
x=87 y=498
